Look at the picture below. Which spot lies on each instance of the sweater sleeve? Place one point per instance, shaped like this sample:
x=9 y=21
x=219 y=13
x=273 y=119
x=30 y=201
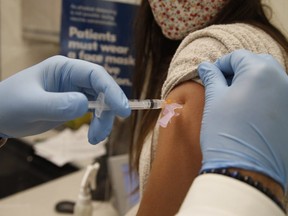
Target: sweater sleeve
x=184 y=64
x=213 y=42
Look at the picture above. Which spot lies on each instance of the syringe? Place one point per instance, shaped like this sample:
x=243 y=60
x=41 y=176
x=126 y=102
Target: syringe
x=134 y=104
x=99 y=105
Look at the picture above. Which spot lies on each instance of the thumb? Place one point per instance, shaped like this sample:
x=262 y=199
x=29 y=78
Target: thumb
x=211 y=77
x=62 y=106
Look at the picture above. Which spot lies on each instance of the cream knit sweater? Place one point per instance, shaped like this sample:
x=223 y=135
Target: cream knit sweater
x=207 y=45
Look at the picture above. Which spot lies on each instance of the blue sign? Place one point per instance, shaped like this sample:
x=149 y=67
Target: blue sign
x=100 y=32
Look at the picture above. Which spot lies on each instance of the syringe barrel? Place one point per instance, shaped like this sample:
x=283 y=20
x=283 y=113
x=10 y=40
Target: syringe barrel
x=99 y=106
x=146 y=104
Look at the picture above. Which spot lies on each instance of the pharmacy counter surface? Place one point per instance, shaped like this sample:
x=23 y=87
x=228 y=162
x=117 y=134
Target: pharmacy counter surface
x=41 y=200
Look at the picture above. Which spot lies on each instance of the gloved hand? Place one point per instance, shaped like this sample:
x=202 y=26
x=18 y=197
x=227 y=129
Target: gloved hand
x=55 y=91
x=245 y=125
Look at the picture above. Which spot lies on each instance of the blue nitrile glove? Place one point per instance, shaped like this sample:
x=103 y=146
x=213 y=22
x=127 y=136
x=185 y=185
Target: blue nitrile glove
x=245 y=125
x=55 y=91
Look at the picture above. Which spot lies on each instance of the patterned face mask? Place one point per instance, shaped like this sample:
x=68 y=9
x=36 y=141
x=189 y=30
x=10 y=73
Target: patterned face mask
x=177 y=18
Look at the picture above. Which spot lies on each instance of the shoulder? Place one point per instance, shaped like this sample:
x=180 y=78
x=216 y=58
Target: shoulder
x=232 y=36
x=211 y=43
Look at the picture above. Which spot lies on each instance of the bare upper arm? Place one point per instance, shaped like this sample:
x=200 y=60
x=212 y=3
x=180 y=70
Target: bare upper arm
x=178 y=156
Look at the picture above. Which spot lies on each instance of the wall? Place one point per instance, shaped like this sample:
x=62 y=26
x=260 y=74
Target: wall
x=16 y=52
x=280 y=15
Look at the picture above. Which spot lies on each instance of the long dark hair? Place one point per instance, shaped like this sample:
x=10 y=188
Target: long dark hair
x=154 y=53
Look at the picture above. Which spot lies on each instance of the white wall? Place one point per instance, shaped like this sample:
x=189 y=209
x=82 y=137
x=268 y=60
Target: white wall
x=280 y=15
x=17 y=53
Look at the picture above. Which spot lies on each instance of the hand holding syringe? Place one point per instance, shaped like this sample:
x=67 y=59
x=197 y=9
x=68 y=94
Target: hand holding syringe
x=99 y=105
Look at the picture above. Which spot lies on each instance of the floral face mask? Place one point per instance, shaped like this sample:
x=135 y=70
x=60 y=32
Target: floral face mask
x=177 y=18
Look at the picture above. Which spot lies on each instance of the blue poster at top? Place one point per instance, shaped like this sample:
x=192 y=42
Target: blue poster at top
x=100 y=32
